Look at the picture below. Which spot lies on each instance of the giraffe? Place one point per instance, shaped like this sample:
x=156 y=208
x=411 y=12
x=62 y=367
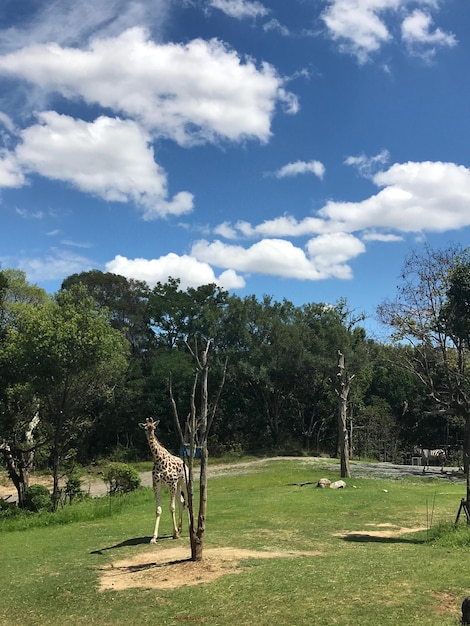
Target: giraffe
x=167 y=470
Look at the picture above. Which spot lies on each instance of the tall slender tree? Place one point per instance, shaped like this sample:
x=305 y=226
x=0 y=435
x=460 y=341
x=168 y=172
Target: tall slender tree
x=429 y=313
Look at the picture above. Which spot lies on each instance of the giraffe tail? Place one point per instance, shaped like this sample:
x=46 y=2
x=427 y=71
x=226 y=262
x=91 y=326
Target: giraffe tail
x=183 y=494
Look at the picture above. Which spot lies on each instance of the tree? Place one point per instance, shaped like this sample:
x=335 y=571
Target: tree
x=272 y=358
x=190 y=320
x=72 y=357
x=457 y=315
x=125 y=299
x=19 y=408
x=426 y=313
x=3 y=289
x=126 y=302
x=196 y=429
x=342 y=387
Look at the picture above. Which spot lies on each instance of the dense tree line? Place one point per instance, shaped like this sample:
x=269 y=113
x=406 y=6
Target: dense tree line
x=79 y=369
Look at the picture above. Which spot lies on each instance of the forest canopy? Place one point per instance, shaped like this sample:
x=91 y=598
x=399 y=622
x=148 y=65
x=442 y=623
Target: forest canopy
x=80 y=368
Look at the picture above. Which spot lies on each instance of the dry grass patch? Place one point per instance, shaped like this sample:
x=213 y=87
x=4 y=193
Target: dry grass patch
x=171 y=568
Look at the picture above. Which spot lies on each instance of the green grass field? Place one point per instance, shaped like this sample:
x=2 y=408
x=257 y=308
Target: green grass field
x=363 y=570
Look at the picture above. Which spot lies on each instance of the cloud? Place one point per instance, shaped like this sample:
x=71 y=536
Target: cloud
x=240 y=8
x=424 y=196
x=301 y=167
x=54 y=266
x=365 y=165
x=10 y=170
x=30 y=215
x=362 y=27
x=284 y=226
x=276 y=26
x=327 y=257
x=226 y=230
x=73 y=23
x=7 y=122
x=373 y=236
x=417 y=34
x=190 y=271
x=194 y=92
x=89 y=156
x=75 y=244
x=428 y=196
x=414 y=197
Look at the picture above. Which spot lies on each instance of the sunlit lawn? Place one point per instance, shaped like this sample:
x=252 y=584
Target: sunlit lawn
x=360 y=575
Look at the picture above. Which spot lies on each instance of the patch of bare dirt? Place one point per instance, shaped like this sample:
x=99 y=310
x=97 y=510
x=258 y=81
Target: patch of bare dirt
x=8 y=489
x=447 y=603
x=172 y=568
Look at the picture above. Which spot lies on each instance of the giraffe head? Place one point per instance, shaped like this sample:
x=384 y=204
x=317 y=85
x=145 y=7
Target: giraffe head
x=149 y=426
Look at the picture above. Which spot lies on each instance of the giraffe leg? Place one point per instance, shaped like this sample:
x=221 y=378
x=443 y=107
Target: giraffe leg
x=172 y=511
x=182 y=496
x=158 y=512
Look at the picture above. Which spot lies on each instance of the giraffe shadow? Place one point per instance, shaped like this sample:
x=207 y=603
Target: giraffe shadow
x=135 y=541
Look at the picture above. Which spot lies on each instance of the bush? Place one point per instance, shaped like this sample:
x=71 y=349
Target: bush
x=8 y=509
x=121 y=478
x=73 y=486
x=37 y=498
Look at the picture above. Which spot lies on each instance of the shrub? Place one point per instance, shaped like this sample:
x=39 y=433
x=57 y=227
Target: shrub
x=121 y=478
x=8 y=509
x=37 y=498
x=73 y=486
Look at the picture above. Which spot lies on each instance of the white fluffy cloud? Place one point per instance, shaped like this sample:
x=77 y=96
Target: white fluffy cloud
x=301 y=167
x=415 y=197
x=240 y=8
x=190 y=271
x=326 y=257
x=362 y=27
x=199 y=91
x=91 y=157
x=426 y=196
x=417 y=33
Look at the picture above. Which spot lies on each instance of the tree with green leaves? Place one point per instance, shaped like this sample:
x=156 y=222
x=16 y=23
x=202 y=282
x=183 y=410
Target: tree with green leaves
x=456 y=317
x=429 y=314
x=19 y=417
x=67 y=350
x=126 y=302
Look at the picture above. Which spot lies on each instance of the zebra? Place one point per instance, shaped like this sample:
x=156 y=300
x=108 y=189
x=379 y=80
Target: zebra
x=436 y=456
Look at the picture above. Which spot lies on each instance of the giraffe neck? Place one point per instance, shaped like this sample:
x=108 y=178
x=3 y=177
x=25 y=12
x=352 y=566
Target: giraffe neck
x=158 y=451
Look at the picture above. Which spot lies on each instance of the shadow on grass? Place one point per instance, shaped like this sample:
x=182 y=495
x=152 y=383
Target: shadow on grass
x=366 y=538
x=135 y=541
x=142 y=567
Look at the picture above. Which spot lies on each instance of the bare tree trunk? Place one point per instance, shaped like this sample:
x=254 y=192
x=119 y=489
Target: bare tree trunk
x=19 y=460
x=197 y=545
x=198 y=424
x=343 y=384
x=466 y=456
x=13 y=472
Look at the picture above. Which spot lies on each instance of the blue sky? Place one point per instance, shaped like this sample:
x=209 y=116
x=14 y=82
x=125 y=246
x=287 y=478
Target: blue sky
x=295 y=148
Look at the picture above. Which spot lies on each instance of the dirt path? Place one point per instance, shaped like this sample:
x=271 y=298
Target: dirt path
x=96 y=487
